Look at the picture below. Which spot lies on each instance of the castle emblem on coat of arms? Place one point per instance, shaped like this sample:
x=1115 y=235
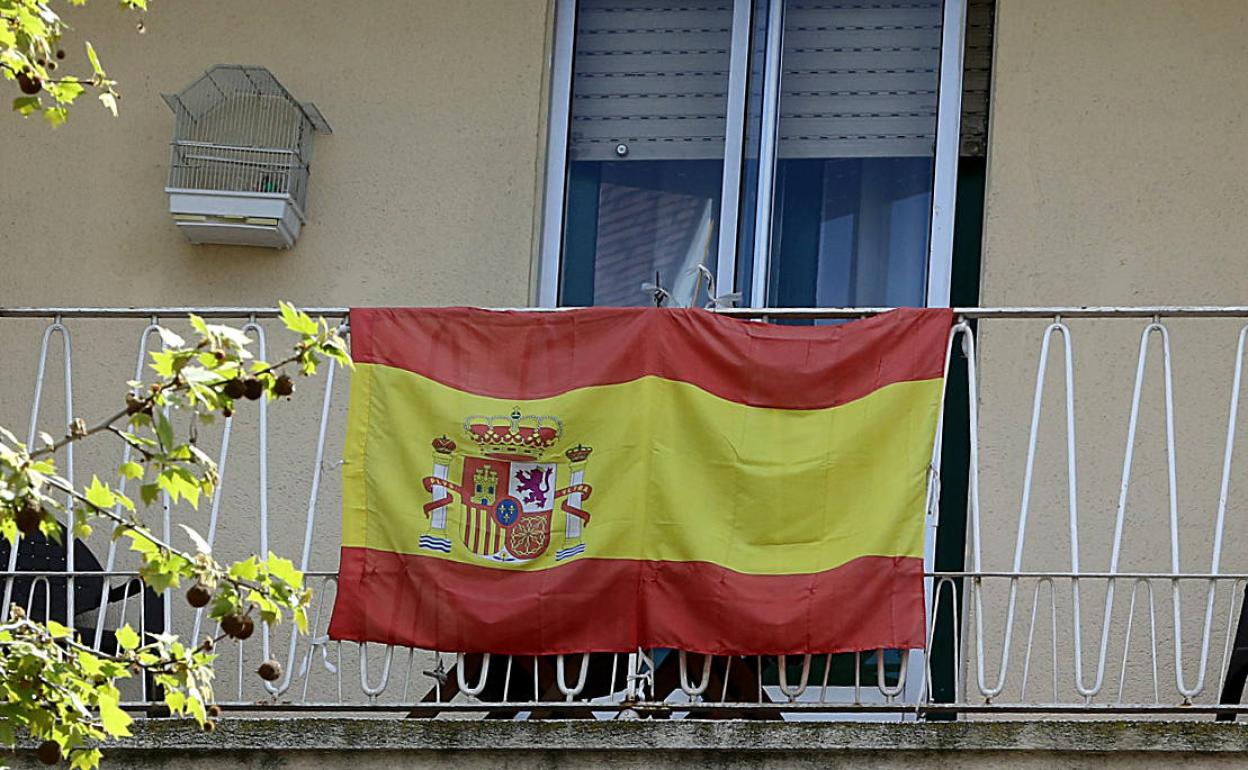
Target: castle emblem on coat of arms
x=503 y=507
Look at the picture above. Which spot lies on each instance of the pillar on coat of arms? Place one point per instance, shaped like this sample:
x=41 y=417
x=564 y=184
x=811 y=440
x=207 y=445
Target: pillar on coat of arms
x=579 y=455
x=443 y=449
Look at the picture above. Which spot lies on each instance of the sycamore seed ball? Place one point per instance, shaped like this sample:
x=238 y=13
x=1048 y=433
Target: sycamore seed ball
x=198 y=595
x=49 y=752
x=270 y=670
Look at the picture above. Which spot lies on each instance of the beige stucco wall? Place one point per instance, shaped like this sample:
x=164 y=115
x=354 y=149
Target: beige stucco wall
x=424 y=194
x=1115 y=178
x=1117 y=153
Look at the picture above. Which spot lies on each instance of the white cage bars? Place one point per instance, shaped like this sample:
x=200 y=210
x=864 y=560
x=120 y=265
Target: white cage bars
x=1023 y=630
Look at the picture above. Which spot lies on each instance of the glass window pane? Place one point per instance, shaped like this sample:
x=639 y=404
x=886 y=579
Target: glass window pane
x=646 y=146
x=855 y=153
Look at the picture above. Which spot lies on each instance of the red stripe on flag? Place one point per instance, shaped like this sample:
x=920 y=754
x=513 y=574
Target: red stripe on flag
x=617 y=605
x=528 y=355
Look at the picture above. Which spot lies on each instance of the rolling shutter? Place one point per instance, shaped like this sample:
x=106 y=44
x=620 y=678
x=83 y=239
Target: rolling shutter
x=653 y=76
x=860 y=79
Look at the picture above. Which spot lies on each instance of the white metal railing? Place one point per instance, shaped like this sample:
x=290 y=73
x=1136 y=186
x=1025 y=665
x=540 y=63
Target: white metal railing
x=1045 y=631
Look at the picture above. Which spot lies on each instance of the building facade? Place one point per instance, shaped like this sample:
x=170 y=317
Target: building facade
x=739 y=153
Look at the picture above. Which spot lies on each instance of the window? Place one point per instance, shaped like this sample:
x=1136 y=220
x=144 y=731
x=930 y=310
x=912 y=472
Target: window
x=800 y=152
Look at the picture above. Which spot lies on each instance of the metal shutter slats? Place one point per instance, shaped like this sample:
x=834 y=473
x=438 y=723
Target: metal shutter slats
x=859 y=79
x=651 y=77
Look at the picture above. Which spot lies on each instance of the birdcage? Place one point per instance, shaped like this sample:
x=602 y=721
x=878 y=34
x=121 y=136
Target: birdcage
x=242 y=148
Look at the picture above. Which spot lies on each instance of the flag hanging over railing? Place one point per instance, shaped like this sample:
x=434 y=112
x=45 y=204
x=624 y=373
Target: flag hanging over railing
x=604 y=479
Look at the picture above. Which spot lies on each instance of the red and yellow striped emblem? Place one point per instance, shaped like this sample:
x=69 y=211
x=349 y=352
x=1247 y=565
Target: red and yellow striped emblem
x=602 y=479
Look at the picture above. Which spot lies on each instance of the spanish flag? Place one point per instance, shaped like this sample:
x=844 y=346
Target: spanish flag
x=605 y=479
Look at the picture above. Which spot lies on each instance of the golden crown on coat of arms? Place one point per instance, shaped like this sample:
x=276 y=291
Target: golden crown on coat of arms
x=514 y=434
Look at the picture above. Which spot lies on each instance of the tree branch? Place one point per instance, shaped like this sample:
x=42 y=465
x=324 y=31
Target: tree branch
x=167 y=386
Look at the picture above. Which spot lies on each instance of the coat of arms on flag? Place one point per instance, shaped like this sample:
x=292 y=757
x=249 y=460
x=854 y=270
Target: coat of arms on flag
x=506 y=496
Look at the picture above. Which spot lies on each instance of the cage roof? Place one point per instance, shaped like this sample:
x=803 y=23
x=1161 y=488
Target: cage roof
x=225 y=81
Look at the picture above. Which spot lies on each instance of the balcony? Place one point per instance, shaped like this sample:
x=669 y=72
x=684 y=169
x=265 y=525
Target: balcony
x=1082 y=558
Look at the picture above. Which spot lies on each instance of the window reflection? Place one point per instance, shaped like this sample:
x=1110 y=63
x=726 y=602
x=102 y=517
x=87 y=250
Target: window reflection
x=852 y=232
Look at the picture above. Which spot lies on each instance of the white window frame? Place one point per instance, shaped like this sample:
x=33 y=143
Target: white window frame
x=944 y=185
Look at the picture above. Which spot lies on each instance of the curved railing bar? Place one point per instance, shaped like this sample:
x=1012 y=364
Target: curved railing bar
x=560 y=676
x=1152 y=637
x=253 y=327
x=796 y=692
x=890 y=693
x=315 y=626
x=277 y=688
x=56 y=327
x=685 y=685
x=485 y=673
x=1156 y=327
x=1238 y=586
x=1056 y=327
x=369 y=690
x=1031 y=632
x=126 y=453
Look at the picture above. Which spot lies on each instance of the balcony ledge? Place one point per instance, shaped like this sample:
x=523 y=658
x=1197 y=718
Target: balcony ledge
x=354 y=734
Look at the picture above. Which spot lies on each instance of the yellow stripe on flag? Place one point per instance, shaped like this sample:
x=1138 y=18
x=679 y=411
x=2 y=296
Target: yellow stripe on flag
x=678 y=474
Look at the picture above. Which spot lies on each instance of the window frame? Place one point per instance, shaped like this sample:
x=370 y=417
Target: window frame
x=944 y=187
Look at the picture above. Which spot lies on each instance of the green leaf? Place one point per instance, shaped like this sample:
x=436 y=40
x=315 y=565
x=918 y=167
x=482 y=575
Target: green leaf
x=196 y=707
x=57 y=630
x=159 y=580
x=285 y=570
x=245 y=570
x=127 y=639
x=99 y=495
x=90 y=664
x=148 y=493
x=296 y=320
x=131 y=470
x=162 y=362
x=198 y=324
x=65 y=91
x=164 y=432
x=180 y=483
x=176 y=700
x=56 y=116
x=85 y=759
x=139 y=543
x=95 y=61
x=115 y=721
x=51 y=529
x=26 y=104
